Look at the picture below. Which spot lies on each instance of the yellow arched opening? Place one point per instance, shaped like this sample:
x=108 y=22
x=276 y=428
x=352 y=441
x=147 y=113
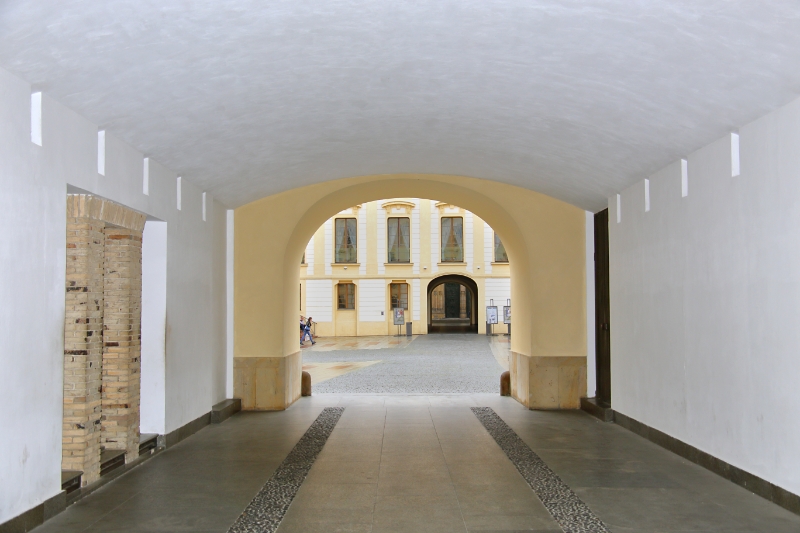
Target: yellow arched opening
x=544 y=239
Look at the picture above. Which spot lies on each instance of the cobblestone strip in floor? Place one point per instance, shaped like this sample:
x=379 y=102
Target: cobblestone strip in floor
x=571 y=513
x=265 y=512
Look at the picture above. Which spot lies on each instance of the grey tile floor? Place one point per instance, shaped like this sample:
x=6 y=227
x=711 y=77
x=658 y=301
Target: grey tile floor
x=419 y=463
x=431 y=364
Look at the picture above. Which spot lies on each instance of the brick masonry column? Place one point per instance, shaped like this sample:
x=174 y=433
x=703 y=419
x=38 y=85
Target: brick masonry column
x=122 y=340
x=83 y=347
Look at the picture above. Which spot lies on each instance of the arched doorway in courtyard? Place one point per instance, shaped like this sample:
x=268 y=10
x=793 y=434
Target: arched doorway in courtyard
x=452 y=305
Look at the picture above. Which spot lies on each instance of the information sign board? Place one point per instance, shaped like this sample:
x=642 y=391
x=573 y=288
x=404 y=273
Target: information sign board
x=491 y=314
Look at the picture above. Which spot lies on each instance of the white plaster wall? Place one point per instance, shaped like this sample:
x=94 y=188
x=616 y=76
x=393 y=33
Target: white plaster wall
x=34 y=183
x=383 y=256
x=328 y=247
x=705 y=301
x=310 y=257
x=488 y=247
x=319 y=299
x=498 y=289
x=591 y=363
x=217 y=215
x=468 y=240
x=436 y=229
x=371 y=300
x=416 y=243
x=361 y=240
x=415 y=294
x=32 y=271
x=154 y=322
x=229 y=257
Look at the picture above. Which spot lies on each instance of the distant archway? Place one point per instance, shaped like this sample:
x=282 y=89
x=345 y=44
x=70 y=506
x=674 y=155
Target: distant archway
x=544 y=239
x=450 y=311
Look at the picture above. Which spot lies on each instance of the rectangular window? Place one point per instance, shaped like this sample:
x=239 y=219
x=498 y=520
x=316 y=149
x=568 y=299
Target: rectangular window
x=399 y=239
x=399 y=295
x=500 y=255
x=452 y=239
x=346 y=295
x=346 y=241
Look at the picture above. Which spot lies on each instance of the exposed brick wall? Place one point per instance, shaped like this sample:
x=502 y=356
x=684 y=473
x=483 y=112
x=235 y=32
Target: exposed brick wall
x=83 y=347
x=122 y=340
x=102 y=332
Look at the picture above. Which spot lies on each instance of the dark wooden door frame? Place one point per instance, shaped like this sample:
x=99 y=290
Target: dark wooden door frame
x=602 y=309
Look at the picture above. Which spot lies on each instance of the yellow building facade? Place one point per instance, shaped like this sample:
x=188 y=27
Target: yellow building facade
x=442 y=264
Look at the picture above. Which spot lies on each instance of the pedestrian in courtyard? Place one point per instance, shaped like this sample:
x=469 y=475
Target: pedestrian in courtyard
x=308 y=331
x=305 y=330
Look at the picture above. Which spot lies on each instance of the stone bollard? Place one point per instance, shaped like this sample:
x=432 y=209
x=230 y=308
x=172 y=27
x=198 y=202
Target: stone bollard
x=505 y=383
x=305 y=384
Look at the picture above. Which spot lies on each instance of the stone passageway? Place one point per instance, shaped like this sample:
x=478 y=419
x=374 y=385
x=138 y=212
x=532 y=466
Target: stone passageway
x=416 y=463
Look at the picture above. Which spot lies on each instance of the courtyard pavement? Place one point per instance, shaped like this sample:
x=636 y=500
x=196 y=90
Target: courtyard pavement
x=429 y=364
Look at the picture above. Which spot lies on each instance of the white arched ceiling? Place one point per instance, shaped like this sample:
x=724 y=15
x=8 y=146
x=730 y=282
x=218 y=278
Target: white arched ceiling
x=248 y=98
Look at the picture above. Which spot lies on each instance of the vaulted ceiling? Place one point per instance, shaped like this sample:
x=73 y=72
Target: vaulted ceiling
x=577 y=100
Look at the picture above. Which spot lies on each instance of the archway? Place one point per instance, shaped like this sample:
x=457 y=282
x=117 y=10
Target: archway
x=544 y=239
x=452 y=304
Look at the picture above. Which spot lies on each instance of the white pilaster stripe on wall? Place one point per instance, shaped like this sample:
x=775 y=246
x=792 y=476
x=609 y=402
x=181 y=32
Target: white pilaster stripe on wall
x=361 y=237
x=36 y=118
x=435 y=251
x=684 y=183
x=310 y=258
x=101 y=152
x=498 y=289
x=328 y=247
x=319 y=299
x=371 y=300
x=229 y=262
x=591 y=369
x=488 y=247
x=381 y=228
x=415 y=295
x=468 y=240
x=415 y=241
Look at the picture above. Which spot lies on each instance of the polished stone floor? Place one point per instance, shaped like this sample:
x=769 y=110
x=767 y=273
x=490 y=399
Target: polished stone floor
x=419 y=463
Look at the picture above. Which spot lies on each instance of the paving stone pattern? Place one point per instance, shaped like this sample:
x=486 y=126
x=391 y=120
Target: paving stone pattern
x=265 y=512
x=571 y=513
x=432 y=364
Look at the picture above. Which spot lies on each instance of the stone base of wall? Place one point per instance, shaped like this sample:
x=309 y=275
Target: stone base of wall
x=267 y=383
x=539 y=382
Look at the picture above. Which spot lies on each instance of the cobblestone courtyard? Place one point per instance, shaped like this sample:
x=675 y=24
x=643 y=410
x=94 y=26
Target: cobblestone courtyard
x=430 y=364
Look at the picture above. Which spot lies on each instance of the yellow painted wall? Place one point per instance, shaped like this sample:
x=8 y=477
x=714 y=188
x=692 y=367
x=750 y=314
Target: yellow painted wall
x=419 y=269
x=544 y=239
